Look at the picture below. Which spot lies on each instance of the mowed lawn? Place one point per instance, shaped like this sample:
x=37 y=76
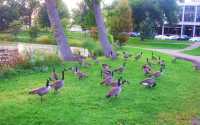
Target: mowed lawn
x=195 y=52
x=174 y=101
x=153 y=43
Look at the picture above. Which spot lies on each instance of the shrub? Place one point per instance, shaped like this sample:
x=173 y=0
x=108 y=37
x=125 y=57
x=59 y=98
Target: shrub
x=33 y=32
x=15 y=27
x=39 y=59
x=98 y=51
x=122 y=38
x=94 y=33
x=93 y=47
x=75 y=43
x=44 y=39
x=7 y=37
x=6 y=72
x=110 y=38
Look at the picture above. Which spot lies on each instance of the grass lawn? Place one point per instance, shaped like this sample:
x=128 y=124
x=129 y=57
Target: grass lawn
x=195 y=52
x=174 y=101
x=168 y=44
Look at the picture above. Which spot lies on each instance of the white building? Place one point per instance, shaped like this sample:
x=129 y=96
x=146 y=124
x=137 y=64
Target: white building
x=189 y=20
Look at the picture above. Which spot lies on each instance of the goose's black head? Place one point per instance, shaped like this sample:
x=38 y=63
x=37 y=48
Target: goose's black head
x=144 y=66
x=63 y=74
x=161 y=69
x=119 y=82
x=47 y=84
x=125 y=81
x=50 y=79
x=76 y=69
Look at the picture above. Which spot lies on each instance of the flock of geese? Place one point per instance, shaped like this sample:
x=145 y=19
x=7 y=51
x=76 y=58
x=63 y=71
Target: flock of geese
x=107 y=75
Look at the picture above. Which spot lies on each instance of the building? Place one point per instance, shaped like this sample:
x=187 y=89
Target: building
x=189 y=20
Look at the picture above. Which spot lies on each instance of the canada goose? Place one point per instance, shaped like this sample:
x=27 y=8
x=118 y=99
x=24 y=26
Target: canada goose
x=121 y=68
x=148 y=62
x=80 y=74
x=196 y=66
x=115 y=82
x=108 y=80
x=153 y=57
x=149 y=82
x=126 y=56
x=174 y=60
x=118 y=54
x=94 y=58
x=157 y=74
x=105 y=70
x=41 y=91
x=58 y=84
x=146 y=69
x=138 y=56
x=116 y=90
x=54 y=75
x=106 y=73
x=162 y=64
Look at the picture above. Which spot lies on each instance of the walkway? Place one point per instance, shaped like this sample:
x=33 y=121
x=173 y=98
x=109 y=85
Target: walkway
x=178 y=54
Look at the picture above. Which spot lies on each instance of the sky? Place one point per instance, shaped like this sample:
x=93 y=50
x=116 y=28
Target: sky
x=72 y=3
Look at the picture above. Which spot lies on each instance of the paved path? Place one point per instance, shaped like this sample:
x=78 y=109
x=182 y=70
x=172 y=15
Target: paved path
x=179 y=53
x=191 y=47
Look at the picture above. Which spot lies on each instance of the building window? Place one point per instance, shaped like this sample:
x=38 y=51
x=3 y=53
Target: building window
x=180 y=14
x=198 y=14
x=189 y=14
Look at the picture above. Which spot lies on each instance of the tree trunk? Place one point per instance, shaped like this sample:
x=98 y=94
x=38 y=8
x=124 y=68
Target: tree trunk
x=107 y=48
x=29 y=20
x=60 y=37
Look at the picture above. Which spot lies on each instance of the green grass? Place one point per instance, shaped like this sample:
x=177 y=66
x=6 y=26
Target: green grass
x=195 y=52
x=167 y=44
x=174 y=101
x=75 y=38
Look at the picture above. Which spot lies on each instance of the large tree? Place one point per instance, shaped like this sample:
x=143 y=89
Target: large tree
x=63 y=12
x=83 y=15
x=28 y=7
x=107 y=48
x=43 y=19
x=61 y=39
x=156 y=11
x=119 y=18
x=9 y=11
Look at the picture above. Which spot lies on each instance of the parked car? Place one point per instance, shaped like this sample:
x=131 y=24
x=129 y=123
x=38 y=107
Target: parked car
x=173 y=37
x=183 y=37
x=194 y=39
x=134 y=34
x=161 y=37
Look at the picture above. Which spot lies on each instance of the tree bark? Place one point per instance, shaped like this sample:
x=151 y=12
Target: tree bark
x=65 y=51
x=107 y=48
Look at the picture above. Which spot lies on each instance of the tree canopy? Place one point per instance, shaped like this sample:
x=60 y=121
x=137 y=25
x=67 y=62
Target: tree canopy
x=84 y=15
x=158 y=11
